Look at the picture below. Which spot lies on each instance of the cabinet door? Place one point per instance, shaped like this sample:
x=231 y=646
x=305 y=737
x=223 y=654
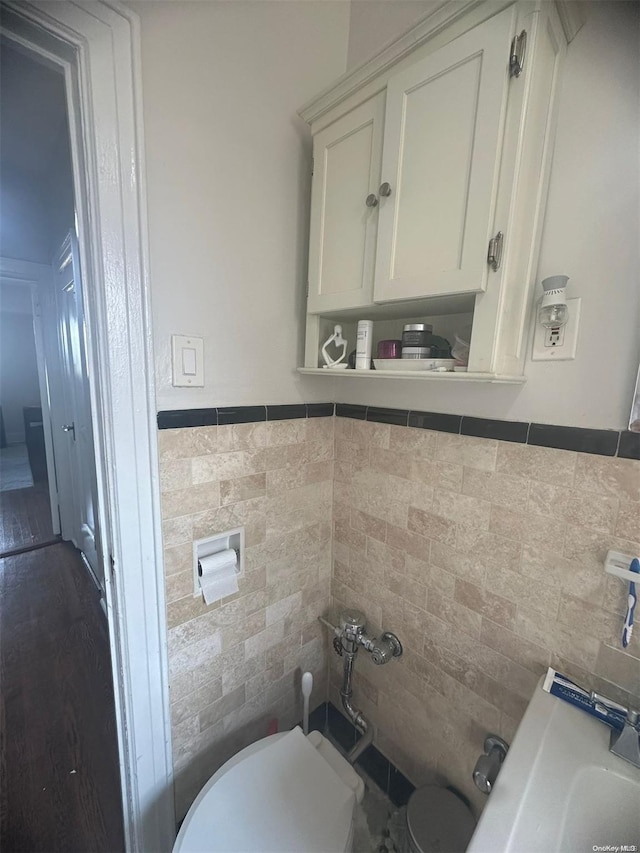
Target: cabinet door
x=443 y=130
x=347 y=158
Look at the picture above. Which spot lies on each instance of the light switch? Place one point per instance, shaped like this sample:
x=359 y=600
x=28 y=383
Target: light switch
x=188 y=361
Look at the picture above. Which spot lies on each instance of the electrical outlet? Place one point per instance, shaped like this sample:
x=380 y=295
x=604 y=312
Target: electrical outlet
x=554 y=337
x=558 y=343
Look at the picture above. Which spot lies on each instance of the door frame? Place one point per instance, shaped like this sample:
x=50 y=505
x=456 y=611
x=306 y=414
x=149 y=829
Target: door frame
x=97 y=46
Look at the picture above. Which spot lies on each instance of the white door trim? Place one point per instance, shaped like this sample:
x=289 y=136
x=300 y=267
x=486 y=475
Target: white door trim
x=97 y=44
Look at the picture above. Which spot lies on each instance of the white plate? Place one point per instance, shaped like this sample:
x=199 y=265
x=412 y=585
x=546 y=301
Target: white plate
x=413 y=363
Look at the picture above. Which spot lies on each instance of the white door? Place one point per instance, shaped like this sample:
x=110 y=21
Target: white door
x=73 y=435
x=344 y=204
x=443 y=131
x=38 y=329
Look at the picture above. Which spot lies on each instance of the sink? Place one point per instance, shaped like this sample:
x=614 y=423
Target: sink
x=602 y=807
x=560 y=790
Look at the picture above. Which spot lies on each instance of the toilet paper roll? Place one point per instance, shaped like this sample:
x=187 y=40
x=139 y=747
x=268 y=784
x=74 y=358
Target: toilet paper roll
x=218 y=575
x=211 y=564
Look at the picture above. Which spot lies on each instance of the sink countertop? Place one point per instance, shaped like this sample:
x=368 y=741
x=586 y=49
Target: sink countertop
x=560 y=790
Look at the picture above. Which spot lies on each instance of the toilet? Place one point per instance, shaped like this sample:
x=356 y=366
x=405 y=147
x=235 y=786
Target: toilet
x=286 y=793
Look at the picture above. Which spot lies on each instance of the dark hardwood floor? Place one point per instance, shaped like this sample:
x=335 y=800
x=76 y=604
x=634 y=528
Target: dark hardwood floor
x=59 y=775
x=25 y=518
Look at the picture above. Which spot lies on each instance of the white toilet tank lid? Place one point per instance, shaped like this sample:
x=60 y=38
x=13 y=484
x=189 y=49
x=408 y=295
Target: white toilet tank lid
x=284 y=798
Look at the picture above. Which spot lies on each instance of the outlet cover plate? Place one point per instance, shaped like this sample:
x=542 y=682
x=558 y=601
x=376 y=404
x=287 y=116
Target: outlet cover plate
x=565 y=352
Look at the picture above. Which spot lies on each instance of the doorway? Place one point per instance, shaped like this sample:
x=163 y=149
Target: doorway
x=97 y=46
x=28 y=518
x=58 y=719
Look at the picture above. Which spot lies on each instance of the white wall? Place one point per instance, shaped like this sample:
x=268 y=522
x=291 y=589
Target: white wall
x=375 y=23
x=18 y=372
x=36 y=188
x=228 y=176
x=591 y=234
x=59 y=194
x=23 y=218
x=36 y=213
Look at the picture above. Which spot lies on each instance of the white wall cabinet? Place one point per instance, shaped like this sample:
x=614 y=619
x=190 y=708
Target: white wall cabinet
x=454 y=147
x=344 y=217
x=444 y=118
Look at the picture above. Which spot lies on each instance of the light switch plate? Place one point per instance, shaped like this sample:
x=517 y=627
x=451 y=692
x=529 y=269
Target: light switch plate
x=560 y=347
x=188 y=361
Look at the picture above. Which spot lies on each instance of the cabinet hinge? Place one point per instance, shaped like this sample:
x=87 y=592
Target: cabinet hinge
x=112 y=565
x=494 y=253
x=313 y=165
x=517 y=54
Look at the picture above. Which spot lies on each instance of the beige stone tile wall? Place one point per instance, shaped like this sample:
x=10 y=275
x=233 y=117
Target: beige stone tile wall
x=237 y=664
x=487 y=559
x=484 y=556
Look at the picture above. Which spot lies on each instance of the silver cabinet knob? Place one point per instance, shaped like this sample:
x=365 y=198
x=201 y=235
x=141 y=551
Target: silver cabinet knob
x=371 y=200
x=385 y=189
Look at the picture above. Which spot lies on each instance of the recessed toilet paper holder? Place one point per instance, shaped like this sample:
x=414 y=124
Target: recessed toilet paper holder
x=212 y=545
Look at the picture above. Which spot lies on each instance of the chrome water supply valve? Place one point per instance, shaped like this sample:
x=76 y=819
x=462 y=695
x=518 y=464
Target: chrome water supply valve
x=351 y=633
x=348 y=636
x=388 y=647
x=488 y=765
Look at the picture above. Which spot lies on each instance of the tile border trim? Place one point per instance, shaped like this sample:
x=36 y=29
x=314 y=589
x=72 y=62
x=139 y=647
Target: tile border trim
x=330 y=720
x=224 y=415
x=602 y=442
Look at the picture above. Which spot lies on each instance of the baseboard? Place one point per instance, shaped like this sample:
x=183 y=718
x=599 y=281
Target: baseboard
x=93 y=577
x=15 y=438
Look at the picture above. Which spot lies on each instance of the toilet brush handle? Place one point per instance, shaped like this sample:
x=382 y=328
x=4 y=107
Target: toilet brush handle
x=305 y=716
x=307 y=687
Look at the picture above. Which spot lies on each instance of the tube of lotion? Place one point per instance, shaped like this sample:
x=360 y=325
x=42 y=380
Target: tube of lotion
x=364 y=343
x=604 y=710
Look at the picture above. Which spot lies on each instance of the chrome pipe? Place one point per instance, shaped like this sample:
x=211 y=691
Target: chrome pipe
x=348 y=637
x=355 y=715
x=354 y=754
x=347 y=672
x=328 y=625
